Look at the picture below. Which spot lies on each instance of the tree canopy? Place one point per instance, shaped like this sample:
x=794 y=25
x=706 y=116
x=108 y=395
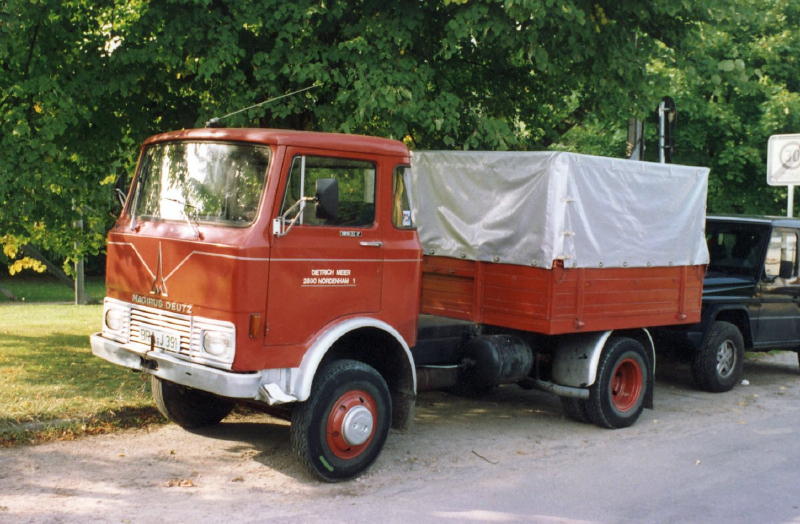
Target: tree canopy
x=84 y=82
x=735 y=84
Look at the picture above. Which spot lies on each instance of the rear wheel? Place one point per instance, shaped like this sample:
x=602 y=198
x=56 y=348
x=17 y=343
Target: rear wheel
x=717 y=365
x=616 y=399
x=340 y=430
x=187 y=407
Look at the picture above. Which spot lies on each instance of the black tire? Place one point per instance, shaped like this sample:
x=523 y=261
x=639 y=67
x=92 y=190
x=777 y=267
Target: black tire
x=187 y=407
x=616 y=399
x=717 y=365
x=575 y=408
x=319 y=433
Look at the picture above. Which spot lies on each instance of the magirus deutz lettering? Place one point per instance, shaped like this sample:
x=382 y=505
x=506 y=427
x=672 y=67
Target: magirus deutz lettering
x=160 y=303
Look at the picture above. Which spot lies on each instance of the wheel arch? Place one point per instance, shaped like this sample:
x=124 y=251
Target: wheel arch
x=373 y=342
x=577 y=358
x=736 y=315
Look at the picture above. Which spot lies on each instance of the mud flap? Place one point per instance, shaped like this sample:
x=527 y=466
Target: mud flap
x=651 y=384
x=404 y=403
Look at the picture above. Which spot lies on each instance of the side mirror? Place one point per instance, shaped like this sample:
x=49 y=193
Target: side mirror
x=327 y=198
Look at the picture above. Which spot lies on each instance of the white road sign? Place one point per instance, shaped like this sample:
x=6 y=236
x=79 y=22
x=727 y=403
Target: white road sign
x=783 y=160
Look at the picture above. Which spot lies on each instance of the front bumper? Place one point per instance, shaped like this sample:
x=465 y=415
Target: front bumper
x=266 y=386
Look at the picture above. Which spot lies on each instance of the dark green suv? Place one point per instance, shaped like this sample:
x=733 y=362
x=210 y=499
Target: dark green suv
x=751 y=298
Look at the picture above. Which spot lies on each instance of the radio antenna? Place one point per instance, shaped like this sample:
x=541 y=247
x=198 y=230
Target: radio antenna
x=215 y=121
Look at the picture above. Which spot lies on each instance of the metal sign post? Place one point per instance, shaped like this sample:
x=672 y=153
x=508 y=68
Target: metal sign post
x=783 y=165
x=667 y=115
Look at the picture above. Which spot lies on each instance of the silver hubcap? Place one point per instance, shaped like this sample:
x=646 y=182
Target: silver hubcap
x=726 y=359
x=357 y=425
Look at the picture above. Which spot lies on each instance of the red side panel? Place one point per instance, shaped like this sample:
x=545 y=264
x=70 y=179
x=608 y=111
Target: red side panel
x=561 y=300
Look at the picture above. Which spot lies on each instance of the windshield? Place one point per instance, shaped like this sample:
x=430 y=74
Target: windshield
x=201 y=181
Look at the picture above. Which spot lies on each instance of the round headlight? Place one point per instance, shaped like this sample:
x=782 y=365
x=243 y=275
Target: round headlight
x=115 y=319
x=216 y=342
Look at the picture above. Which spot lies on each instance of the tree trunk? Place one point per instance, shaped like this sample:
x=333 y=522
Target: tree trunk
x=8 y=294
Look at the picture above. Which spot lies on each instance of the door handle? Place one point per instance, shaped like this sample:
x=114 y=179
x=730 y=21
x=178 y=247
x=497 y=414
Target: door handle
x=374 y=243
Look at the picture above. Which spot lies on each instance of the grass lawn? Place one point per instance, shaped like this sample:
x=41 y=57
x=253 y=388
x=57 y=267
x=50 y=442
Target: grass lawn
x=52 y=387
x=44 y=288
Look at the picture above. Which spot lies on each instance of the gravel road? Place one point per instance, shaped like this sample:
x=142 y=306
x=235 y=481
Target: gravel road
x=508 y=457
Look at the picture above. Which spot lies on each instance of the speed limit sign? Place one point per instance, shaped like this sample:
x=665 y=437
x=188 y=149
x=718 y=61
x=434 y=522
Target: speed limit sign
x=783 y=160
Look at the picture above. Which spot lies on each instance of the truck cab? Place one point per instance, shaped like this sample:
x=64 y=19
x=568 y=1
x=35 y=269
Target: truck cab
x=247 y=260
x=751 y=297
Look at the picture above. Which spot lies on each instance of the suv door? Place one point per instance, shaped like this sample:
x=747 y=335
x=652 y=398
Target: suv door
x=326 y=262
x=778 y=323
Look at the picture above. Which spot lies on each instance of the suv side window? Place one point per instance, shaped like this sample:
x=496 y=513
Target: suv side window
x=734 y=250
x=780 y=264
x=355 y=181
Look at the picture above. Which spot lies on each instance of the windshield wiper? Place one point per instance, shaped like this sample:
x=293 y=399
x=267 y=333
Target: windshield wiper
x=193 y=223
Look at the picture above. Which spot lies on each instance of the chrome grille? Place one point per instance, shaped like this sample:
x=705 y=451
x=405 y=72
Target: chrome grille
x=162 y=320
x=189 y=329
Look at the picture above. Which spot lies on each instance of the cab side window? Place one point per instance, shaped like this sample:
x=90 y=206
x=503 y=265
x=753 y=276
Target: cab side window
x=401 y=205
x=347 y=186
x=780 y=265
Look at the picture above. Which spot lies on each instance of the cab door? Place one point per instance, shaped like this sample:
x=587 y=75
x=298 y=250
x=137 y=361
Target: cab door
x=326 y=258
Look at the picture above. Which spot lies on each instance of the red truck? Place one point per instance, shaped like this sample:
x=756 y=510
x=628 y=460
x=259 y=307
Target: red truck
x=327 y=278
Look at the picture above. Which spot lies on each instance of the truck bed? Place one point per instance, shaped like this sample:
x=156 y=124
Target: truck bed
x=560 y=300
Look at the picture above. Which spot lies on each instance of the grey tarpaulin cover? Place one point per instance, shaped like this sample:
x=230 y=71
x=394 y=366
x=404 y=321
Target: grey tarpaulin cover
x=531 y=208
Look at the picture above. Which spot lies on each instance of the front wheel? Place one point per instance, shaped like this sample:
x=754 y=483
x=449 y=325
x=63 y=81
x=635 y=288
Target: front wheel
x=717 y=365
x=187 y=407
x=616 y=399
x=340 y=430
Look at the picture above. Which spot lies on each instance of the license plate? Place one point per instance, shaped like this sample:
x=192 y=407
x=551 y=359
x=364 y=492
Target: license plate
x=163 y=339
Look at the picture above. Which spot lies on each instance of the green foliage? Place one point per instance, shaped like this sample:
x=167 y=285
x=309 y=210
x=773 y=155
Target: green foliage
x=446 y=74
x=733 y=92
x=83 y=82
x=735 y=84
x=58 y=146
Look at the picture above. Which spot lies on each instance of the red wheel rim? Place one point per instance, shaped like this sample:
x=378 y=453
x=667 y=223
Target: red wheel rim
x=626 y=384
x=335 y=431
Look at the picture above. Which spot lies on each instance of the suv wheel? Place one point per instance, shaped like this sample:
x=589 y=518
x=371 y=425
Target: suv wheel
x=717 y=365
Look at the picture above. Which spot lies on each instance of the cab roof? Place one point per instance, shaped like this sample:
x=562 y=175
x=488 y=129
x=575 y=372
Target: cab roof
x=284 y=137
